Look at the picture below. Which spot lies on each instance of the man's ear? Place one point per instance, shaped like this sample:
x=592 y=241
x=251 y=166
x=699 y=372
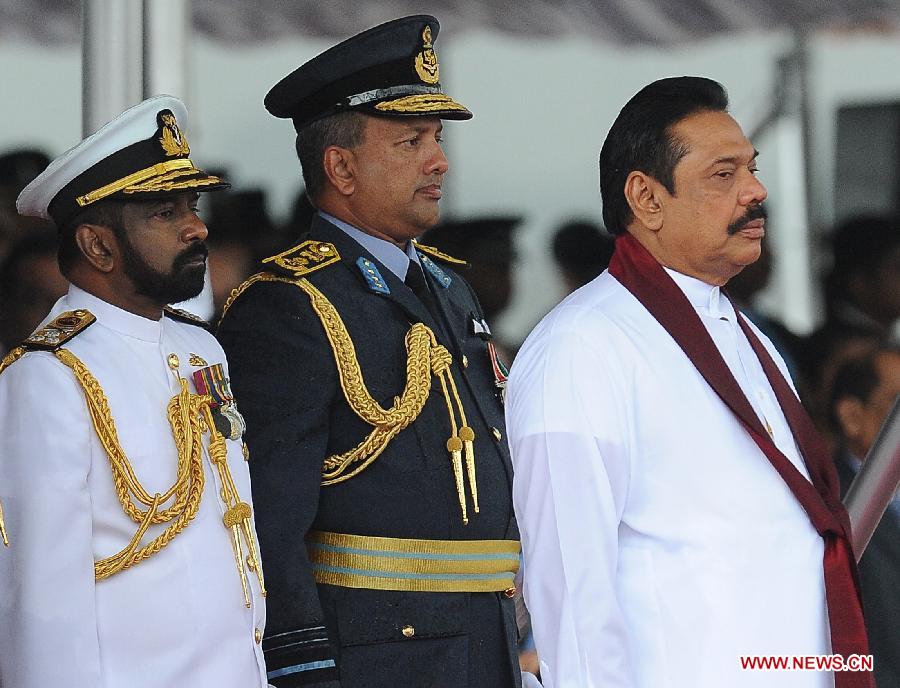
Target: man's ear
x=340 y=168
x=642 y=194
x=849 y=414
x=97 y=245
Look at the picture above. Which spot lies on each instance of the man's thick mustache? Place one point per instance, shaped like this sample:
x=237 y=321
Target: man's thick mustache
x=755 y=212
x=186 y=256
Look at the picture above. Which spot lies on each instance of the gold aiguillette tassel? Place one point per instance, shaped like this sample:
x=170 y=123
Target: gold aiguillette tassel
x=3 y=528
x=467 y=435
x=232 y=519
x=454 y=446
x=253 y=558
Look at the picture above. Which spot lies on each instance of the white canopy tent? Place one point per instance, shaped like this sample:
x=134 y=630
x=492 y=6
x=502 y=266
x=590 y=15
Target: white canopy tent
x=134 y=48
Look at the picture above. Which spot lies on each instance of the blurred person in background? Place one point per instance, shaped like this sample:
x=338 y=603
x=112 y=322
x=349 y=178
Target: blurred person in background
x=862 y=303
x=582 y=250
x=487 y=244
x=17 y=169
x=862 y=395
x=241 y=233
x=30 y=283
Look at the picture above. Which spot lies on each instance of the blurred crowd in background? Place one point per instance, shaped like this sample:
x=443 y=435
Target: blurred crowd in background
x=861 y=288
x=847 y=371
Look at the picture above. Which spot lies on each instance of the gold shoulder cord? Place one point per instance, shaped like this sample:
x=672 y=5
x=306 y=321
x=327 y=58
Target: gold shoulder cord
x=189 y=416
x=424 y=358
x=10 y=358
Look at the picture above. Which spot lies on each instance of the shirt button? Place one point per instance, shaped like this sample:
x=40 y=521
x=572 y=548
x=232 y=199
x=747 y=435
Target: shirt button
x=408 y=631
x=257 y=636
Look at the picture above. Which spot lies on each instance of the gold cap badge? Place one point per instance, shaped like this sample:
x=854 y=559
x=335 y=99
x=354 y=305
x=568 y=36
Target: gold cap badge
x=426 y=61
x=172 y=140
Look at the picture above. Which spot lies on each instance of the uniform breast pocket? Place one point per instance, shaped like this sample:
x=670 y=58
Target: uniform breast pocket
x=389 y=639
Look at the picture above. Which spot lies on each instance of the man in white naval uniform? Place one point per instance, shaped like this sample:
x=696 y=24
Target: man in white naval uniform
x=132 y=558
x=658 y=446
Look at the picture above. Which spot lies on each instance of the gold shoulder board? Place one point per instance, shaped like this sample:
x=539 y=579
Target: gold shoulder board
x=305 y=258
x=186 y=317
x=440 y=255
x=60 y=330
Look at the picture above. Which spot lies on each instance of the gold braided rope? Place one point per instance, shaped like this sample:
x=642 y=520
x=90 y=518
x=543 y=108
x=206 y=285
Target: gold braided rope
x=258 y=277
x=10 y=358
x=184 y=417
x=425 y=357
x=13 y=356
x=189 y=415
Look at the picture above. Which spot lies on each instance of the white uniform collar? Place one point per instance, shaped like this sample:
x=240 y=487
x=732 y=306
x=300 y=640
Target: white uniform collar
x=115 y=318
x=707 y=299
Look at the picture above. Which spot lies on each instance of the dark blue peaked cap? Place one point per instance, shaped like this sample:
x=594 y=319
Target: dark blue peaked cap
x=389 y=70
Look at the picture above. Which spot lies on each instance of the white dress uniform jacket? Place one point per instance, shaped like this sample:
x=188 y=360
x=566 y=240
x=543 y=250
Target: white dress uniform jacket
x=177 y=618
x=660 y=544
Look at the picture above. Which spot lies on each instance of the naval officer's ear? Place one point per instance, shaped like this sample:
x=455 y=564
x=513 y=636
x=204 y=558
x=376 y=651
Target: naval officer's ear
x=97 y=244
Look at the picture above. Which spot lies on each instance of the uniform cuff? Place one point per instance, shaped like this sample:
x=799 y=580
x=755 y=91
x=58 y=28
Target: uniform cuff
x=300 y=658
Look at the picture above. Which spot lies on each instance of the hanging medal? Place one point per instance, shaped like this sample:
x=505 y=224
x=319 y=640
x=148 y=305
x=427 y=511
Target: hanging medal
x=211 y=380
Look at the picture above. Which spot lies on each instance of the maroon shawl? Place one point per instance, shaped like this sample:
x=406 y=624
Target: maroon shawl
x=640 y=273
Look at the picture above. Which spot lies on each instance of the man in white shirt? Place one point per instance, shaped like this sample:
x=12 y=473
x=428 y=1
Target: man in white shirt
x=132 y=557
x=677 y=509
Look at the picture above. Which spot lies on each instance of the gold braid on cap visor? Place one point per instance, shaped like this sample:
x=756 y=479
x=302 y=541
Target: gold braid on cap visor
x=425 y=102
x=159 y=177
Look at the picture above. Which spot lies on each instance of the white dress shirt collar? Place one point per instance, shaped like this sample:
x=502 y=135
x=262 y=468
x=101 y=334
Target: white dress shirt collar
x=707 y=299
x=115 y=318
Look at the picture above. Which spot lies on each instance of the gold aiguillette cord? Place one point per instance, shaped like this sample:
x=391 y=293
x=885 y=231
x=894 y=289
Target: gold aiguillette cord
x=237 y=513
x=3 y=528
x=462 y=439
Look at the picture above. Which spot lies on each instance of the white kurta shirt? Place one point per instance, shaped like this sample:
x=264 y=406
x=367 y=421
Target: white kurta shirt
x=175 y=619
x=660 y=544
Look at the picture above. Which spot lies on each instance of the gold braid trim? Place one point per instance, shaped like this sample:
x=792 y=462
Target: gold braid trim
x=10 y=358
x=183 y=412
x=387 y=422
x=425 y=357
x=13 y=356
x=258 y=277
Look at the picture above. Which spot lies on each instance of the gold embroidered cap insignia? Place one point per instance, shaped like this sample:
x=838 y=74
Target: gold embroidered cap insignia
x=172 y=140
x=426 y=61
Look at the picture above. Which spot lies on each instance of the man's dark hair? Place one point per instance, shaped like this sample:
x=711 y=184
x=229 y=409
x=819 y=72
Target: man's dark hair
x=857 y=379
x=107 y=213
x=344 y=129
x=641 y=139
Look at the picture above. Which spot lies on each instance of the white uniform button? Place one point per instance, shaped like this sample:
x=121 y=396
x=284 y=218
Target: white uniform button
x=257 y=636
